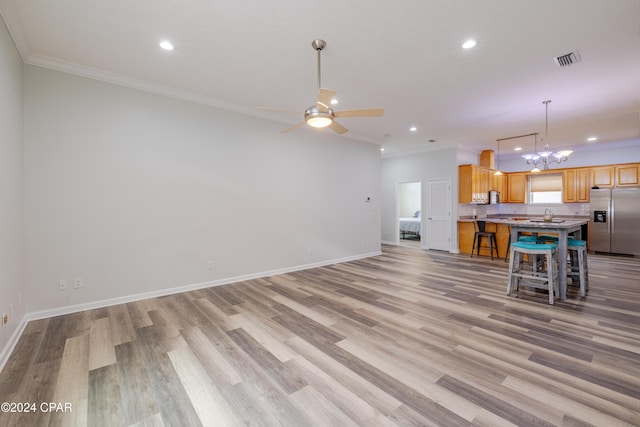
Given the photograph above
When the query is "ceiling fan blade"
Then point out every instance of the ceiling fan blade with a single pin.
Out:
(369, 112)
(325, 97)
(297, 125)
(338, 128)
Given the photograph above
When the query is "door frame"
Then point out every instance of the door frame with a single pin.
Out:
(397, 209)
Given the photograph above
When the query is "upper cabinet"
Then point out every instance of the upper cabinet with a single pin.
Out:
(500, 184)
(602, 176)
(473, 184)
(517, 188)
(576, 184)
(627, 175)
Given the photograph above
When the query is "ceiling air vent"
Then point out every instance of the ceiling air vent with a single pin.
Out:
(567, 59)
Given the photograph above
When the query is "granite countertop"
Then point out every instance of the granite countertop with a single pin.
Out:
(501, 217)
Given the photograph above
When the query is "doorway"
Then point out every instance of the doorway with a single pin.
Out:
(409, 214)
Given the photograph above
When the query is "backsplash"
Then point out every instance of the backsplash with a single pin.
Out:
(565, 209)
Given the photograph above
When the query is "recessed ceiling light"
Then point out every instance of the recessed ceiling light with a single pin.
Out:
(517, 149)
(592, 138)
(469, 44)
(413, 128)
(334, 101)
(166, 45)
(381, 149)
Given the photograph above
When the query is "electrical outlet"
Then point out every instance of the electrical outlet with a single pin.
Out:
(210, 265)
(62, 285)
(77, 283)
(5, 319)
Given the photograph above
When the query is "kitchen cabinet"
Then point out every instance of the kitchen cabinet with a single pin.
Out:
(466, 230)
(576, 184)
(627, 175)
(473, 184)
(569, 181)
(517, 188)
(499, 183)
(583, 185)
(602, 176)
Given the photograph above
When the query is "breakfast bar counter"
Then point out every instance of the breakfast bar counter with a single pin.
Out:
(515, 226)
(560, 227)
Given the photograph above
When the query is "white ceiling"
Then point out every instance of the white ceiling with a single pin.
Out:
(403, 56)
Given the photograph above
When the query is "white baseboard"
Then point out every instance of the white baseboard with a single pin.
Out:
(13, 341)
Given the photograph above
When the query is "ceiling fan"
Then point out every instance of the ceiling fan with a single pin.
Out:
(321, 114)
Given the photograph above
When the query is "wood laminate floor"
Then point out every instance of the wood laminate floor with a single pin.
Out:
(407, 338)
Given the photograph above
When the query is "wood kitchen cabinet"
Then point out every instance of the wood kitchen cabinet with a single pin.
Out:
(466, 230)
(517, 188)
(602, 176)
(499, 183)
(627, 175)
(583, 185)
(576, 185)
(473, 184)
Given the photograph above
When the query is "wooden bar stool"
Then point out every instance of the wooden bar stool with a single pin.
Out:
(535, 278)
(481, 231)
(578, 267)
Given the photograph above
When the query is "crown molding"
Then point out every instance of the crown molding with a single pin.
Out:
(158, 89)
(12, 20)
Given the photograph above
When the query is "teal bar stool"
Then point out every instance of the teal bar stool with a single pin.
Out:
(578, 266)
(521, 275)
(577, 263)
(527, 239)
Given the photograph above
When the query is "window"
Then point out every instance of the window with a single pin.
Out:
(545, 188)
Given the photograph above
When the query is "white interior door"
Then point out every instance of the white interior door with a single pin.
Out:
(439, 214)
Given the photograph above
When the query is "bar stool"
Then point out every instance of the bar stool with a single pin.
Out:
(481, 231)
(577, 262)
(518, 275)
(578, 266)
(528, 239)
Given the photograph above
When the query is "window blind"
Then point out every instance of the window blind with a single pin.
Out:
(543, 183)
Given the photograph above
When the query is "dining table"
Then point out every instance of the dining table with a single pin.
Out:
(561, 227)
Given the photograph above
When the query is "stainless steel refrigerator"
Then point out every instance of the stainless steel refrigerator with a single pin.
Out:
(615, 220)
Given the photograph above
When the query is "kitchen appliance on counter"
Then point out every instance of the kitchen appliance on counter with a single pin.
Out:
(615, 220)
(494, 197)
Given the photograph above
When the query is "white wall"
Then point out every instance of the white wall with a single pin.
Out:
(439, 164)
(135, 193)
(409, 199)
(11, 190)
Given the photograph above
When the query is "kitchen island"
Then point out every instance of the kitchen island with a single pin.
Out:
(515, 226)
(560, 227)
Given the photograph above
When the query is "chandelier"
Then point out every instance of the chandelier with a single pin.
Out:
(546, 157)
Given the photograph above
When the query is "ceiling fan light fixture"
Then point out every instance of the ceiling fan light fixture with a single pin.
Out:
(321, 115)
(319, 122)
(318, 119)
